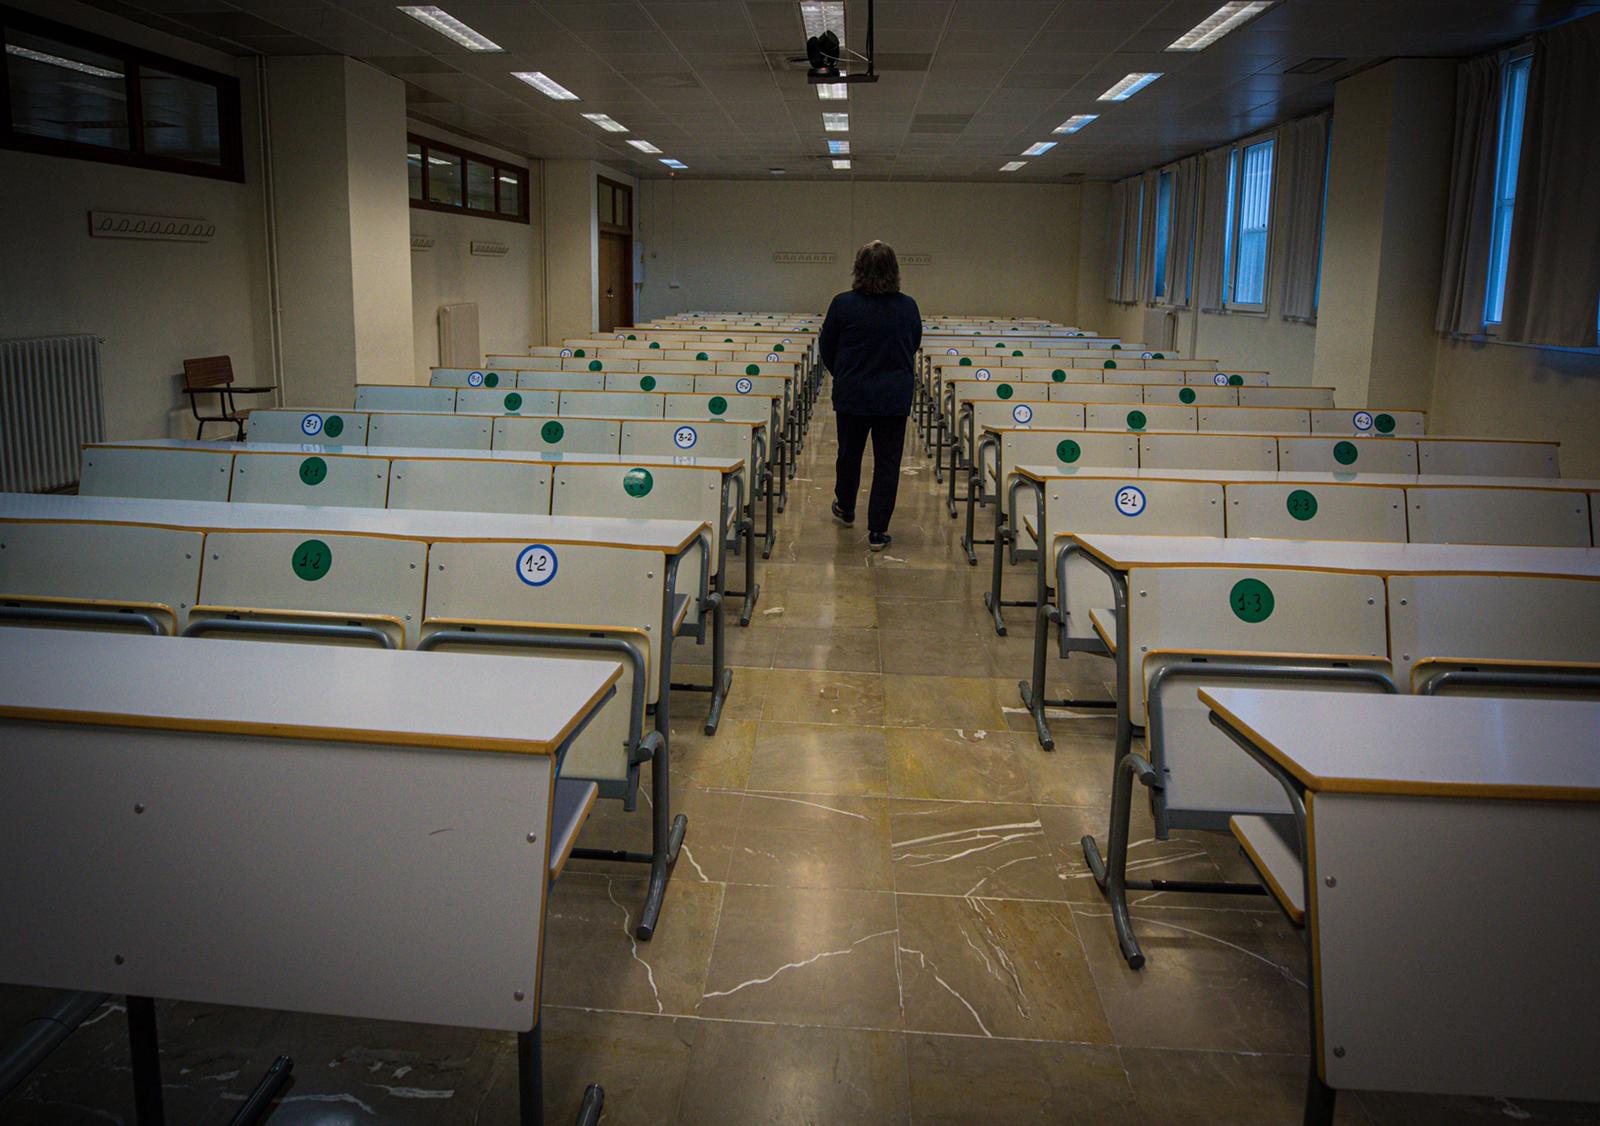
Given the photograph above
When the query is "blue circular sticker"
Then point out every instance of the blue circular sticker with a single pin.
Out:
(475, 379)
(1022, 414)
(566, 353)
(982, 375)
(536, 564)
(684, 437)
(772, 357)
(1130, 500)
(311, 425)
(1362, 420)
(952, 351)
(1220, 379)
(744, 385)
(1147, 355)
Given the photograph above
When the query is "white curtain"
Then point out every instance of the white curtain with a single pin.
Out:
(1470, 216)
(1144, 287)
(1553, 272)
(1209, 263)
(1116, 231)
(1128, 260)
(1181, 231)
(1302, 161)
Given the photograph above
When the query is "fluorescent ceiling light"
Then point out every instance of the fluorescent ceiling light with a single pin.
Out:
(833, 91)
(1012, 165)
(606, 122)
(836, 122)
(841, 164)
(450, 27)
(671, 163)
(644, 146)
(545, 85)
(508, 179)
(1039, 149)
(823, 15)
(57, 60)
(1128, 86)
(839, 148)
(1075, 122)
(1218, 24)
(439, 160)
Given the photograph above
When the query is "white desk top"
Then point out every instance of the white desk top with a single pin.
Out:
(723, 465)
(1539, 750)
(1246, 434)
(1044, 473)
(1126, 552)
(696, 419)
(667, 536)
(279, 690)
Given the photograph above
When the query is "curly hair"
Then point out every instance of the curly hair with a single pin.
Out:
(877, 270)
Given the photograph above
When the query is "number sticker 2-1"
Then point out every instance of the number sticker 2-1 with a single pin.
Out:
(536, 564)
(1130, 500)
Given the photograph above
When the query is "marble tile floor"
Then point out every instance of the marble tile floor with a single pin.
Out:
(880, 915)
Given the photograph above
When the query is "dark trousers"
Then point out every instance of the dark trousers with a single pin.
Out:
(888, 433)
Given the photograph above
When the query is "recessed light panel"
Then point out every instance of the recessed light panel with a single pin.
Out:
(839, 148)
(1039, 149)
(546, 85)
(841, 164)
(64, 64)
(836, 122)
(823, 15)
(644, 146)
(1218, 24)
(1128, 86)
(833, 91)
(606, 122)
(450, 27)
(673, 164)
(1075, 122)
(1012, 165)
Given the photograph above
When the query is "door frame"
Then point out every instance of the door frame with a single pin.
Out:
(623, 230)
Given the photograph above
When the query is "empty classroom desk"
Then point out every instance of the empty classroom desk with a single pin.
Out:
(406, 838)
(1441, 860)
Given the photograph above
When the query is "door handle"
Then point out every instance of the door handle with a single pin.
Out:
(610, 293)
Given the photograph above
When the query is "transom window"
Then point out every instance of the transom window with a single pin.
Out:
(443, 177)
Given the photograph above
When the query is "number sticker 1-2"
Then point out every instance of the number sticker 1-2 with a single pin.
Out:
(536, 564)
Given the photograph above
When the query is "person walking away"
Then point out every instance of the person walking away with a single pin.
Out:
(869, 342)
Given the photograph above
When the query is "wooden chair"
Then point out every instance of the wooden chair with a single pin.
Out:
(213, 375)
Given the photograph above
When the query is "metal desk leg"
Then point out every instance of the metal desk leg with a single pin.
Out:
(1033, 697)
(530, 1084)
(144, 1048)
(1005, 535)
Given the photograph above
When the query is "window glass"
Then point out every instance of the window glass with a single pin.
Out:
(1227, 227)
(605, 202)
(510, 191)
(179, 116)
(1255, 206)
(480, 186)
(414, 168)
(444, 178)
(1513, 104)
(66, 93)
(1163, 227)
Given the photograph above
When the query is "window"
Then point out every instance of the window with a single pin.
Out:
(613, 206)
(442, 177)
(1513, 104)
(1163, 228)
(1322, 227)
(1250, 205)
(67, 93)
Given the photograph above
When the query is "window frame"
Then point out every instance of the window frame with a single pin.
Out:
(1161, 233)
(612, 227)
(1516, 58)
(1236, 177)
(230, 126)
(427, 145)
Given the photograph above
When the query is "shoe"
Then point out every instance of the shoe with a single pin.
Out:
(847, 519)
(877, 541)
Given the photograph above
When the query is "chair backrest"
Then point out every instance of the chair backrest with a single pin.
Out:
(129, 471)
(1208, 451)
(206, 373)
(445, 485)
(1542, 517)
(1262, 510)
(103, 567)
(328, 479)
(329, 427)
(558, 435)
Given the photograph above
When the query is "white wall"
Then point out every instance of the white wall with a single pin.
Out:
(380, 223)
(1002, 249)
(507, 290)
(154, 303)
(571, 248)
(1520, 392)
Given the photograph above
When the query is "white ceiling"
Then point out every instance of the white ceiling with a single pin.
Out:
(965, 84)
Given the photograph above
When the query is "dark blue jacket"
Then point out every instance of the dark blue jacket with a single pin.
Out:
(869, 342)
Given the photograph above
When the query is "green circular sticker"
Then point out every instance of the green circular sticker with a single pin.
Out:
(491, 380)
(1158, 356)
(311, 560)
(1109, 364)
(647, 383)
(777, 347)
(727, 340)
(579, 352)
(718, 404)
(1302, 504)
(655, 344)
(1251, 600)
(966, 361)
(1116, 347)
(1059, 376)
(513, 402)
(595, 365)
(1345, 453)
(552, 432)
(333, 426)
(313, 471)
(701, 356)
(1136, 420)
(1235, 381)
(1068, 451)
(1003, 391)
(1186, 395)
(752, 369)
(1014, 353)
(637, 482)
(631, 336)
(1383, 423)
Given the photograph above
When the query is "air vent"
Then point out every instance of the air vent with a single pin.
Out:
(940, 122)
(1313, 66)
(784, 60)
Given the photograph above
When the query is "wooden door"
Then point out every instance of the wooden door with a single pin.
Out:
(616, 282)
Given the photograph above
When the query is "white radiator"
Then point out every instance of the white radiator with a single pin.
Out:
(458, 336)
(50, 404)
(1161, 329)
